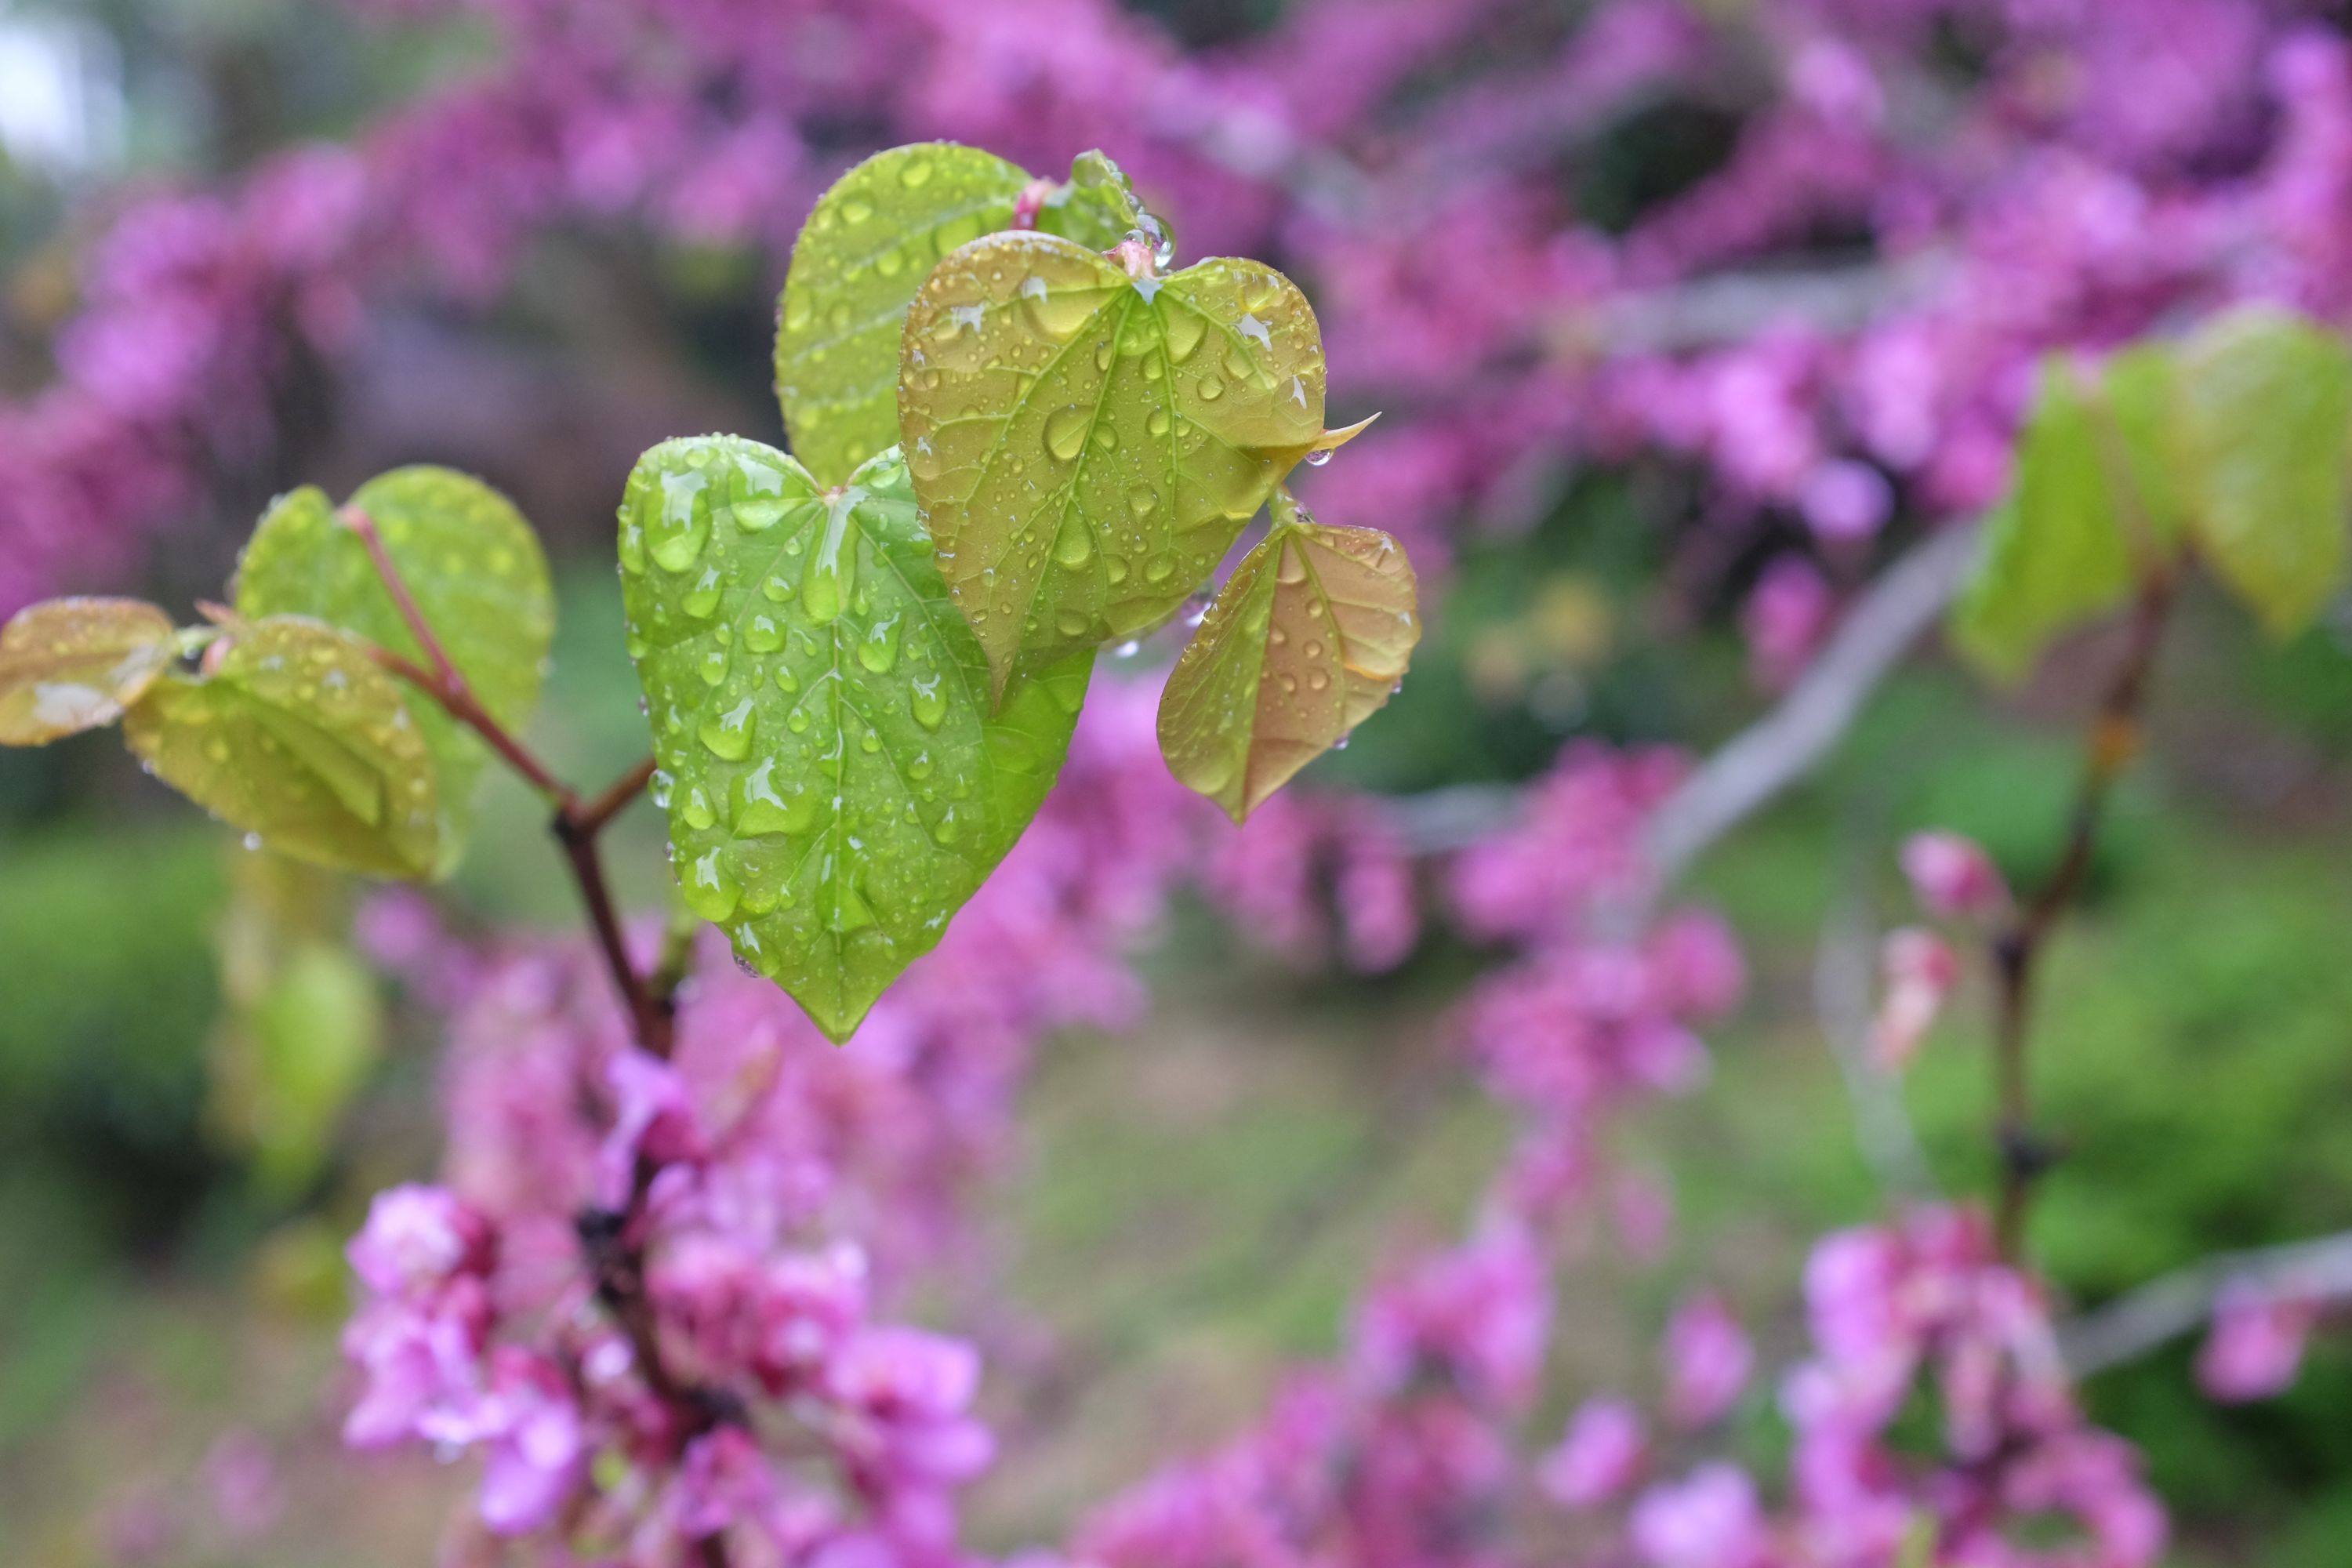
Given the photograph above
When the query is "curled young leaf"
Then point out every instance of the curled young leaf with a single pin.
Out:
(476, 572)
(867, 245)
(297, 738)
(1087, 445)
(2266, 417)
(836, 782)
(1309, 637)
(71, 664)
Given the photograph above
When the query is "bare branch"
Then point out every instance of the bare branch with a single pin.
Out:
(1790, 741)
(2129, 1326)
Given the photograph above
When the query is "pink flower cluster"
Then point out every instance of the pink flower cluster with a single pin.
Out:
(637, 1297)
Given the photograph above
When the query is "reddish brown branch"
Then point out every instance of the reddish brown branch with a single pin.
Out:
(2115, 740)
(612, 1241)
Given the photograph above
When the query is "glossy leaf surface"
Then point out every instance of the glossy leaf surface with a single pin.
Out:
(2266, 417)
(2061, 548)
(71, 664)
(477, 572)
(866, 247)
(1087, 445)
(299, 738)
(836, 782)
(1309, 637)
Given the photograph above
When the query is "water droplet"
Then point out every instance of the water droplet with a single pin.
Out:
(1196, 609)
(1210, 389)
(728, 734)
(1073, 546)
(928, 700)
(1126, 649)
(253, 841)
(1318, 458)
(856, 210)
(710, 889)
(916, 174)
(878, 650)
(761, 809)
(763, 634)
(1185, 328)
(713, 667)
(674, 537)
(831, 576)
(1141, 497)
(701, 601)
(1066, 432)
(657, 789)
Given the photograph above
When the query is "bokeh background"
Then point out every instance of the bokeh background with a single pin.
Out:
(1685, 319)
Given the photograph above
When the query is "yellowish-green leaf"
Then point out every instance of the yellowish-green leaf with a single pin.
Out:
(479, 577)
(2265, 417)
(2062, 548)
(1085, 445)
(71, 664)
(301, 1019)
(1308, 636)
(867, 245)
(299, 739)
(836, 782)
(1096, 206)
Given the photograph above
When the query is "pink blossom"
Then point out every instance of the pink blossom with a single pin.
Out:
(1601, 1455)
(1709, 1520)
(1919, 971)
(1952, 875)
(2257, 1347)
(1707, 1359)
(417, 1240)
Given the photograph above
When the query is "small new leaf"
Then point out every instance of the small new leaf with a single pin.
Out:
(1085, 445)
(867, 245)
(837, 784)
(2265, 414)
(71, 664)
(1307, 638)
(2084, 514)
(474, 569)
(299, 738)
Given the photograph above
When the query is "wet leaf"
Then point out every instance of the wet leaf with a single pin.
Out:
(2065, 547)
(2265, 415)
(837, 784)
(866, 247)
(477, 572)
(1085, 445)
(1308, 636)
(71, 664)
(1095, 206)
(299, 738)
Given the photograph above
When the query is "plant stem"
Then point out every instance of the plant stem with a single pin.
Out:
(615, 1250)
(2115, 740)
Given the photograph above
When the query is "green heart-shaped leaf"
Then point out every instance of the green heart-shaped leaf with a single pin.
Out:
(837, 784)
(1087, 445)
(868, 245)
(2265, 411)
(479, 577)
(1306, 640)
(296, 736)
(71, 664)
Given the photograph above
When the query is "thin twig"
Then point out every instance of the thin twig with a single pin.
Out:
(592, 817)
(612, 1241)
(2316, 1270)
(1751, 770)
(1790, 741)
(2017, 949)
